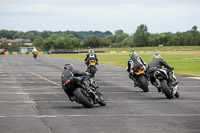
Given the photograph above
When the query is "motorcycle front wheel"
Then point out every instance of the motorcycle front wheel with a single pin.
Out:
(168, 93)
(101, 101)
(83, 98)
(35, 56)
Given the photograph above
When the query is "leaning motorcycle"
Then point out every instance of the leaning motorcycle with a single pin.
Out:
(91, 68)
(35, 55)
(163, 81)
(141, 78)
(85, 91)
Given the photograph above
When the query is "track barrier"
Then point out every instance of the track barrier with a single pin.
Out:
(24, 53)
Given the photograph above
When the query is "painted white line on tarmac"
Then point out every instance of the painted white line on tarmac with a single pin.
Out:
(149, 101)
(15, 87)
(194, 78)
(19, 78)
(114, 81)
(47, 88)
(24, 93)
(30, 82)
(103, 115)
(17, 102)
(103, 92)
(101, 86)
(10, 82)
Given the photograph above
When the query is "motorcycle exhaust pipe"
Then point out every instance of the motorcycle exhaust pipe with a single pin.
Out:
(157, 72)
(89, 90)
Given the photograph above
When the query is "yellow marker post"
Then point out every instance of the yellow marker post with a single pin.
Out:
(112, 52)
(6, 53)
(14, 53)
(40, 52)
(124, 51)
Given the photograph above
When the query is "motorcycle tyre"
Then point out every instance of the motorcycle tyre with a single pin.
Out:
(85, 101)
(165, 89)
(102, 102)
(144, 83)
(35, 56)
(177, 95)
(92, 70)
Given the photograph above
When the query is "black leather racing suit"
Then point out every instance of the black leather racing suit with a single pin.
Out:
(158, 63)
(67, 75)
(90, 56)
(134, 62)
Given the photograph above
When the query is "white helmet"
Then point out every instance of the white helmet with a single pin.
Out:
(91, 51)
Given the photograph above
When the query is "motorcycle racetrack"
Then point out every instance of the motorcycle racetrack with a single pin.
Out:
(32, 101)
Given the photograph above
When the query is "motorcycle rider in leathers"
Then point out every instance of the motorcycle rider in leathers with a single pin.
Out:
(90, 56)
(132, 63)
(66, 78)
(157, 63)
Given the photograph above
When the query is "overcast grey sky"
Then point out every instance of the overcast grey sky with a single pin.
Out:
(102, 15)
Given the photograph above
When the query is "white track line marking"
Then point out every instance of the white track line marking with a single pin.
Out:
(10, 82)
(136, 87)
(149, 101)
(104, 92)
(104, 115)
(194, 78)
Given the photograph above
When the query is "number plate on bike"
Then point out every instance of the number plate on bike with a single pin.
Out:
(138, 73)
(92, 63)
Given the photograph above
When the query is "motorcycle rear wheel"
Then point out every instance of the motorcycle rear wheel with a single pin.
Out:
(168, 93)
(144, 83)
(92, 70)
(83, 98)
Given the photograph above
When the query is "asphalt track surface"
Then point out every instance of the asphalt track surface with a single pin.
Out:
(32, 101)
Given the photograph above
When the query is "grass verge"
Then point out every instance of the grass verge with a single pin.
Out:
(186, 63)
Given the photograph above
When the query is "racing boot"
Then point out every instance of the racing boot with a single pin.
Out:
(159, 89)
(172, 78)
(156, 85)
(173, 81)
(72, 98)
(134, 80)
(177, 95)
(86, 69)
(135, 84)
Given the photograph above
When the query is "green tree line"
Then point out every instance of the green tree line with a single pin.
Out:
(69, 40)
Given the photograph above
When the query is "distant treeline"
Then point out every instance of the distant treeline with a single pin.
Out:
(69, 40)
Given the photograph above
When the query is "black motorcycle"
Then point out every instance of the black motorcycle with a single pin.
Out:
(164, 83)
(85, 91)
(91, 67)
(141, 78)
(35, 55)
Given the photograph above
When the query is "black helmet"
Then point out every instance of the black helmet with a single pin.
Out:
(69, 66)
